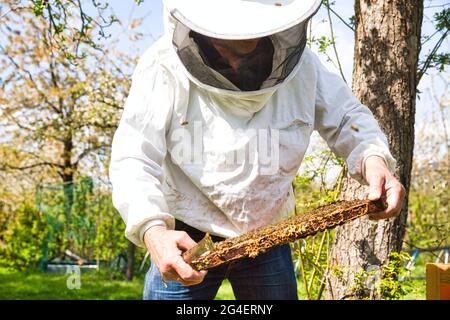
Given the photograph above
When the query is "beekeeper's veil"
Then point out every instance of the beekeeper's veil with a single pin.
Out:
(281, 25)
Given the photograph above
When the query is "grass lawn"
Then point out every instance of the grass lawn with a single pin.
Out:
(36, 285)
(97, 285)
(94, 285)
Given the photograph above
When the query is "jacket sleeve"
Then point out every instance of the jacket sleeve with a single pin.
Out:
(348, 126)
(138, 149)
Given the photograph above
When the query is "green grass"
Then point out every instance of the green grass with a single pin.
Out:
(98, 285)
(416, 288)
(36, 285)
(94, 285)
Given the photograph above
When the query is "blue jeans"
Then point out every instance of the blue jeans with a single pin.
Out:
(268, 276)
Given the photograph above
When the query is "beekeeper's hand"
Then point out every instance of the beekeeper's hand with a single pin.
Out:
(383, 183)
(165, 247)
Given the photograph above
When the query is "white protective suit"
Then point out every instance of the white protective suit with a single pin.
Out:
(180, 109)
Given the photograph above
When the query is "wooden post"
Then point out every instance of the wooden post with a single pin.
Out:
(438, 281)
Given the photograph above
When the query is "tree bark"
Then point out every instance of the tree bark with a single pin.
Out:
(67, 175)
(130, 261)
(387, 46)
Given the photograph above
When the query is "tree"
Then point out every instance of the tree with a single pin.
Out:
(131, 253)
(57, 116)
(61, 95)
(385, 78)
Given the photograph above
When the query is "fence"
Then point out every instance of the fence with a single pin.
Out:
(81, 222)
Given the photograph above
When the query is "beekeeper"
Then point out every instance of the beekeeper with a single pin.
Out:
(215, 127)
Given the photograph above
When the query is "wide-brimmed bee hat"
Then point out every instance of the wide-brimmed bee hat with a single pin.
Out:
(241, 19)
(281, 23)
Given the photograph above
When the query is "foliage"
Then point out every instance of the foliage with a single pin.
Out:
(319, 180)
(388, 281)
(390, 287)
(428, 224)
(434, 58)
(92, 229)
(23, 239)
(314, 187)
(323, 43)
(57, 119)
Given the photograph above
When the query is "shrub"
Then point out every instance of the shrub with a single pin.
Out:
(24, 238)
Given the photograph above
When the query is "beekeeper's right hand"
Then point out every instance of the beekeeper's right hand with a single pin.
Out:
(165, 247)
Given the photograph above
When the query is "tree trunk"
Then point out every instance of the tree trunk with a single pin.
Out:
(387, 45)
(68, 176)
(130, 261)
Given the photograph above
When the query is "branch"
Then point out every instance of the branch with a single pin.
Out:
(333, 42)
(6, 167)
(339, 17)
(87, 151)
(31, 78)
(430, 57)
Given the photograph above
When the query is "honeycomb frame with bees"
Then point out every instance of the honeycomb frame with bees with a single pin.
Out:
(254, 243)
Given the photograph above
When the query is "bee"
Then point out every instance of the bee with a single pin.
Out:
(355, 127)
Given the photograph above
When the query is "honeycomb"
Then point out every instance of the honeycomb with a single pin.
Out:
(253, 243)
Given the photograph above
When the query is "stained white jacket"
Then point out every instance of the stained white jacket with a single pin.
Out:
(166, 106)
